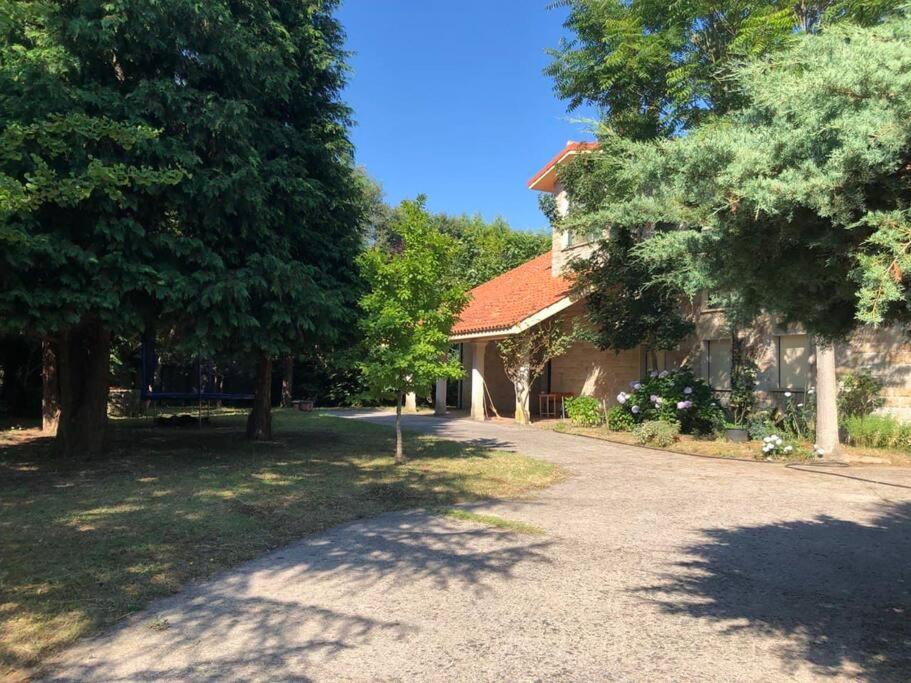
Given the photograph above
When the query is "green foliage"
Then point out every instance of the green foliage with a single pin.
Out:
(795, 204)
(859, 394)
(654, 68)
(489, 249)
(484, 249)
(744, 373)
(878, 431)
(674, 396)
(619, 419)
(584, 411)
(773, 446)
(660, 433)
(153, 166)
(623, 308)
(797, 417)
(411, 306)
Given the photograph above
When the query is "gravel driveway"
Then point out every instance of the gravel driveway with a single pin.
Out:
(653, 566)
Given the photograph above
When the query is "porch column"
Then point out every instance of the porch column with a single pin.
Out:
(411, 402)
(523, 389)
(477, 381)
(439, 403)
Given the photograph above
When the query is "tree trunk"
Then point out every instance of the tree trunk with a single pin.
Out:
(826, 401)
(259, 423)
(522, 386)
(411, 402)
(399, 450)
(287, 380)
(50, 388)
(83, 366)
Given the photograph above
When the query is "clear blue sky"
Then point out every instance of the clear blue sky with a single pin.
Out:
(450, 100)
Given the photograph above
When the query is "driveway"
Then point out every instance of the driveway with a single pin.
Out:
(652, 566)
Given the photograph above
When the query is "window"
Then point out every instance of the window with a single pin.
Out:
(663, 358)
(572, 239)
(793, 361)
(718, 363)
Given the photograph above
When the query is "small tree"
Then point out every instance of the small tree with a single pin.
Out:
(525, 355)
(411, 306)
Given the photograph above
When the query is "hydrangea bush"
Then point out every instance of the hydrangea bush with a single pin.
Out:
(674, 396)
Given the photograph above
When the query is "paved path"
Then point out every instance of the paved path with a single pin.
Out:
(653, 566)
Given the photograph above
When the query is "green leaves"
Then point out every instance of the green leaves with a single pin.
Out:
(177, 160)
(798, 203)
(412, 302)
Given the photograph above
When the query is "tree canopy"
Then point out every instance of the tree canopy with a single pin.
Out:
(182, 164)
(655, 68)
(412, 302)
(799, 202)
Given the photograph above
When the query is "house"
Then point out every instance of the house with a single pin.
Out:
(539, 290)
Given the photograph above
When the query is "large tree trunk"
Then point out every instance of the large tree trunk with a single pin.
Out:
(287, 380)
(259, 423)
(399, 448)
(50, 388)
(826, 401)
(411, 402)
(83, 365)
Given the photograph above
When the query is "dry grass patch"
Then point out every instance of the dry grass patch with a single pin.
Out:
(87, 543)
(721, 448)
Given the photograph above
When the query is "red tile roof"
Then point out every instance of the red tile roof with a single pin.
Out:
(512, 297)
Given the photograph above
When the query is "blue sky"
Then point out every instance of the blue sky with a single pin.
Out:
(450, 100)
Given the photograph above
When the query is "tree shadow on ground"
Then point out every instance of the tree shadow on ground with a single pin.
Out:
(285, 615)
(83, 543)
(838, 590)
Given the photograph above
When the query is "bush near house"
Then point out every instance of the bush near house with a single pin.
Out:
(619, 419)
(674, 396)
(659, 433)
(858, 394)
(878, 431)
(584, 411)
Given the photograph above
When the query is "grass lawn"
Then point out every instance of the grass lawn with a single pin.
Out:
(85, 544)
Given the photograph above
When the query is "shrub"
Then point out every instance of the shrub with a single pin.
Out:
(858, 394)
(657, 433)
(797, 418)
(619, 419)
(878, 431)
(584, 411)
(773, 446)
(674, 396)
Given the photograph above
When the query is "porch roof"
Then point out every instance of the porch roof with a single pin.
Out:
(522, 296)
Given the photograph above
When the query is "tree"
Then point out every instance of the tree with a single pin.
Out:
(489, 249)
(799, 202)
(655, 68)
(526, 354)
(82, 225)
(182, 161)
(412, 303)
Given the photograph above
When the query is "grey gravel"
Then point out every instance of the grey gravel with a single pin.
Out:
(654, 566)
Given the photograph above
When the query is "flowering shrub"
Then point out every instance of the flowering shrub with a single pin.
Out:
(858, 394)
(773, 445)
(584, 411)
(657, 433)
(798, 417)
(674, 396)
(619, 419)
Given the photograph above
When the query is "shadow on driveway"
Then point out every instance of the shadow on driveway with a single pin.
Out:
(262, 618)
(839, 591)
